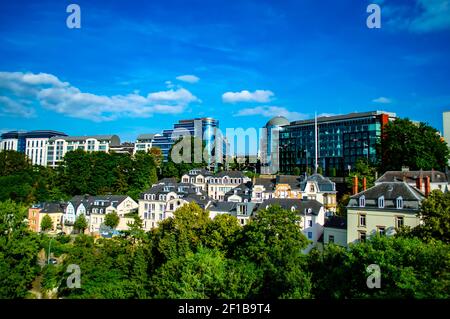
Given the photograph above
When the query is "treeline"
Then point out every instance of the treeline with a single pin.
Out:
(192, 256)
(95, 173)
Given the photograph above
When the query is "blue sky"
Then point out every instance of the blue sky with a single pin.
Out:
(139, 66)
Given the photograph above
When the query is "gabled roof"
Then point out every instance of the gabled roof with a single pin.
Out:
(198, 171)
(101, 201)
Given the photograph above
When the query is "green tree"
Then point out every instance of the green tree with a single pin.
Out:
(297, 171)
(18, 251)
(417, 146)
(205, 274)
(46, 223)
(81, 223)
(274, 241)
(12, 162)
(221, 232)
(183, 233)
(435, 214)
(112, 220)
(362, 169)
(409, 268)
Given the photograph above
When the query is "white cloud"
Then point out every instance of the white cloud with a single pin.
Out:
(61, 97)
(382, 100)
(271, 111)
(9, 107)
(260, 96)
(188, 78)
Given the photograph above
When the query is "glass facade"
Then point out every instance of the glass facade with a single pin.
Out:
(208, 129)
(342, 140)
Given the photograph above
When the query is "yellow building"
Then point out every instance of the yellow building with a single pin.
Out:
(382, 209)
(37, 212)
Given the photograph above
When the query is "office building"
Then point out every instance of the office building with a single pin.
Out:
(341, 141)
(205, 128)
(32, 143)
(58, 146)
(144, 142)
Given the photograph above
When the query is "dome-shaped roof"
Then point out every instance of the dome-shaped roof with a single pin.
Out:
(278, 121)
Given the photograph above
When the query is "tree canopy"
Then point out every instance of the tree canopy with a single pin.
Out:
(417, 146)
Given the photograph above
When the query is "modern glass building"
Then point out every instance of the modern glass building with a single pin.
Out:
(342, 140)
(199, 127)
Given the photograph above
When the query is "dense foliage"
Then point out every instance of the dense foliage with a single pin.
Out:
(193, 256)
(417, 146)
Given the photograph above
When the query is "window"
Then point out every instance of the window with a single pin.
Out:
(311, 189)
(310, 235)
(399, 221)
(399, 203)
(362, 236)
(310, 223)
(362, 201)
(381, 230)
(362, 220)
(331, 238)
(381, 202)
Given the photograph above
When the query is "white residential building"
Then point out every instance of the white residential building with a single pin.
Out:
(223, 182)
(164, 198)
(144, 142)
(59, 146)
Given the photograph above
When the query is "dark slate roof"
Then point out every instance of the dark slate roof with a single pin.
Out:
(231, 208)
(90, 201)
(52, 207)
(336, 222)
(300, 206)
(268, 183)
(167, 180)
(232, 174)
(293, 181)
(222, 206)
(391, 191)
(324, 183)
(240, 191)
(411, 176)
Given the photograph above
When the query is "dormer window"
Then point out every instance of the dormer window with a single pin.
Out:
(381, 202)
(362, 201)
(399, 203)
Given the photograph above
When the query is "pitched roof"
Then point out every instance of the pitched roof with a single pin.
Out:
(391, 191)
(243, 190)
(324, 183)
(268, 183)
(302, 206)
(411, 176)
(232, 174)
(52, 207)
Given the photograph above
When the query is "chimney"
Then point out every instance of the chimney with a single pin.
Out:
(364, 183)
(355, 184)
(419, 183)
(427, 186)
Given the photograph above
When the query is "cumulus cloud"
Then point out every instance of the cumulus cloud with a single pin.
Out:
(61, 97)
(260, 96)
(271, 111)
(382, 100)
(189, 78)
(9, 107)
